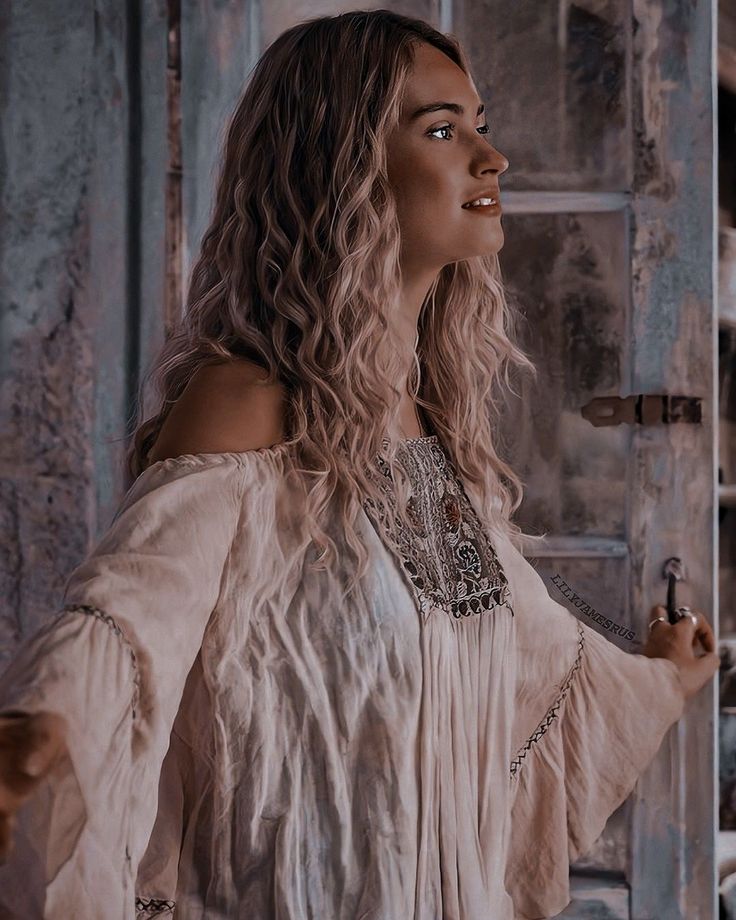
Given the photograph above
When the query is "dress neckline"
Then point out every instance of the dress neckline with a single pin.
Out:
(271, 453)
(419, 440)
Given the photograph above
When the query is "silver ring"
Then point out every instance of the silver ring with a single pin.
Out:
(685, 611)
(656, 620)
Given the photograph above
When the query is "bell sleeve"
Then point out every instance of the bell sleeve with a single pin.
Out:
(589, 718)
(113, 662)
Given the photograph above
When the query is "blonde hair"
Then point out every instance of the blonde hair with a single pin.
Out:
(299, 269)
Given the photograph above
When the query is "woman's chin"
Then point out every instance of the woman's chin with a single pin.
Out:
(489, 249)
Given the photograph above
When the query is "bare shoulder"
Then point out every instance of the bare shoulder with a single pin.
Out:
(224, 407)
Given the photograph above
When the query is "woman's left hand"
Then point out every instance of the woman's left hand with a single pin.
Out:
(679, 642)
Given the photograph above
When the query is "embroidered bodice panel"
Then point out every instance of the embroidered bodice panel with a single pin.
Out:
(446, 555)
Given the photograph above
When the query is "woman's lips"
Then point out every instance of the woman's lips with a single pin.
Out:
(494, 208)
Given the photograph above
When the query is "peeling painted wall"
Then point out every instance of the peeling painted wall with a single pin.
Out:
(47, 358)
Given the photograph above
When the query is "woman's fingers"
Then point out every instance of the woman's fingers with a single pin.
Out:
(702, 631)
(28, 749)
(47, 742)
(7, 827)
(676, 641)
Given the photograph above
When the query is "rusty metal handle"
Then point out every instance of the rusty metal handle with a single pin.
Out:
(673, 571)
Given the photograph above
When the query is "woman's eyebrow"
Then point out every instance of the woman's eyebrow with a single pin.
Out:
(438, 106)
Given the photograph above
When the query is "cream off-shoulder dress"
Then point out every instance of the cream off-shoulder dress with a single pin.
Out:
(247, 744)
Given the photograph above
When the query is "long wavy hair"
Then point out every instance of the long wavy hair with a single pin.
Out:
(299, 271)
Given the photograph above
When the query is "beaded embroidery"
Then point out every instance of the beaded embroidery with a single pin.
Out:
(447, 556)
(553, 710)
(149, 907)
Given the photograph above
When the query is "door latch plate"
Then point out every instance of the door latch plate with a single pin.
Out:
(642, 409)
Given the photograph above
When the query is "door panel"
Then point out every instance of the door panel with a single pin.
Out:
(554, 76)
(605, 112)
(574, 295)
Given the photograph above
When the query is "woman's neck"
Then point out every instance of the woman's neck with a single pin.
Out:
(410, 421)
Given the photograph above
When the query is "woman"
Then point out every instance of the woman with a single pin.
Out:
(307, 671)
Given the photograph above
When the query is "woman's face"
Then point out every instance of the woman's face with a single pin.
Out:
(438, 161)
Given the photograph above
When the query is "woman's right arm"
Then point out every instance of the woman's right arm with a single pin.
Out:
(30, 745)
(96, 690)
(113, 664)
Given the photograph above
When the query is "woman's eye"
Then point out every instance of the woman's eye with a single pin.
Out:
(483, 129)
(442, 128)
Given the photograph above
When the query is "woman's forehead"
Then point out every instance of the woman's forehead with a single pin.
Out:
(436, 78)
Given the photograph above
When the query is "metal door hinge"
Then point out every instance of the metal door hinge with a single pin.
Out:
(642, 409)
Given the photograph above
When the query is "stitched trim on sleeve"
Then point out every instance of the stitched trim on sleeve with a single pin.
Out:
(109, 621)
(553, 710)
(152, 907)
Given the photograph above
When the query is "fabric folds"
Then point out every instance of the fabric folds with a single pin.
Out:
(245, 742)
(114, 663)
(590, 718)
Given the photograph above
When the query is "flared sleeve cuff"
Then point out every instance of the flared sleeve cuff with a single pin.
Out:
(113, 662)
(72, 841)
(588, 719)
(606, 721)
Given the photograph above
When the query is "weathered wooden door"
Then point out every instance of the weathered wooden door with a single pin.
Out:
(604, 109)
